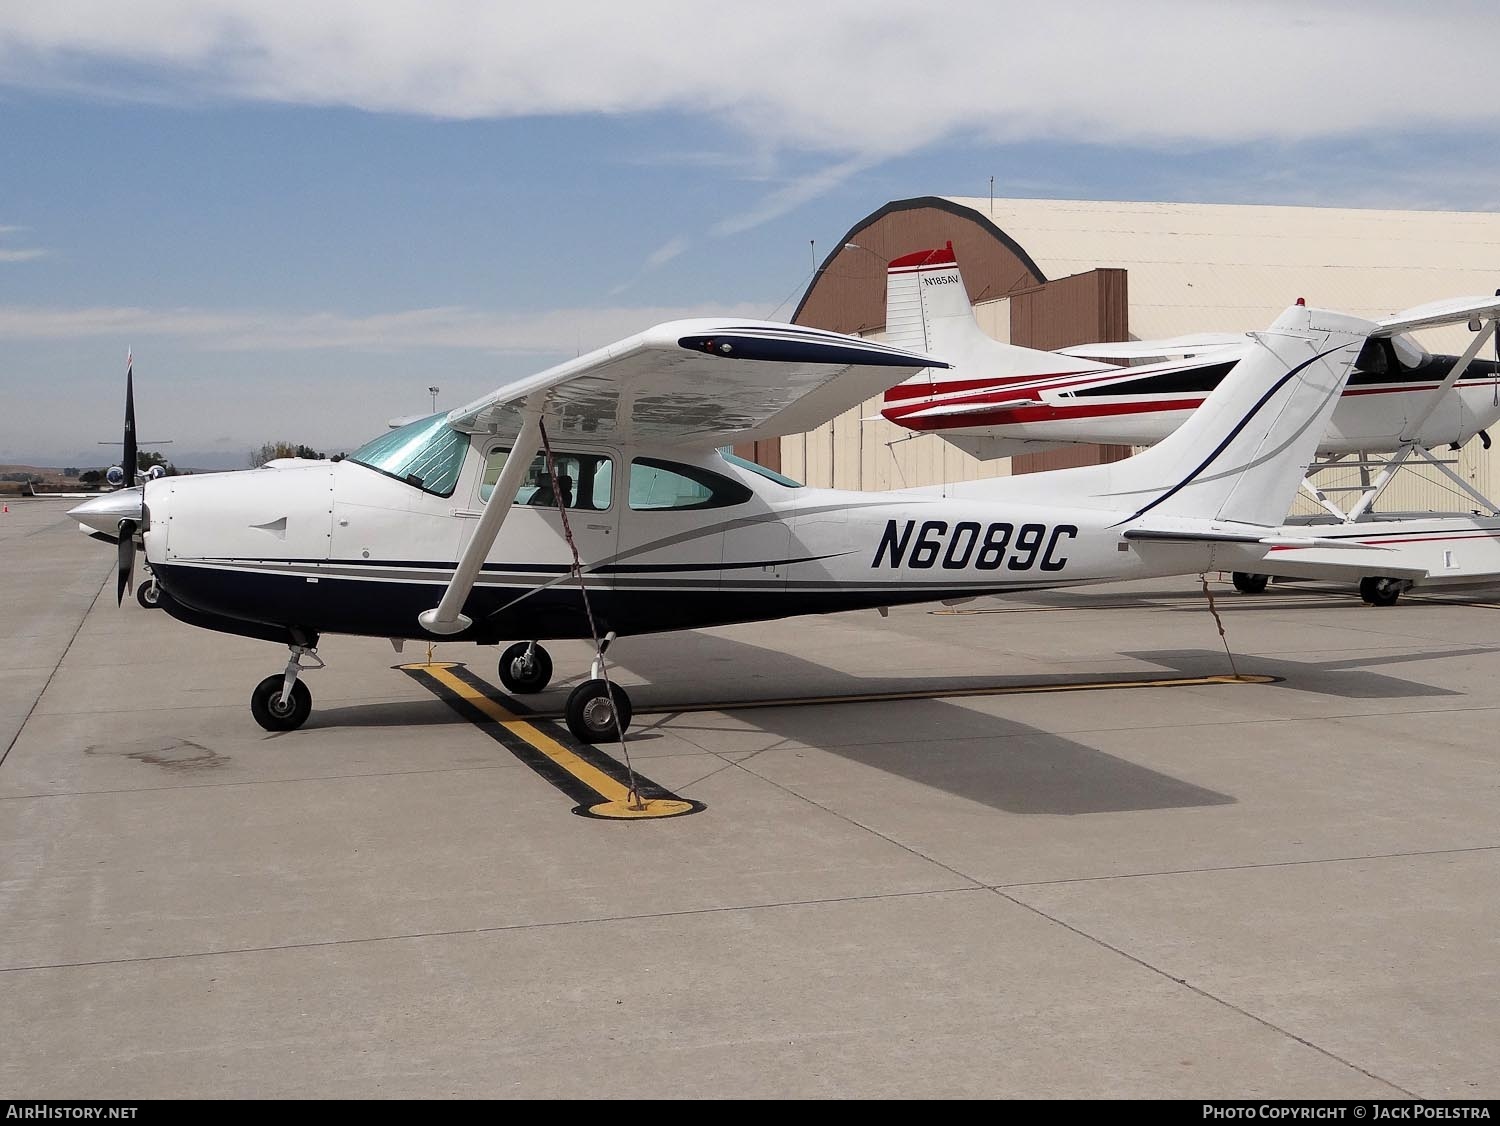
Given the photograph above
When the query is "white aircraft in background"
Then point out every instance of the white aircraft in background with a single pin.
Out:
(998, 400)
(419, 535)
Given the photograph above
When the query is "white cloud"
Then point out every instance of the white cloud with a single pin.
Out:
(665, 253)
(845, 77)
(18, 254)
(793, 196)
(550, 332)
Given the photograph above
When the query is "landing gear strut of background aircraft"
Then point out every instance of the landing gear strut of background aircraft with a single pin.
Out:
(1382, 592)
(1247, 583)
(283, 703)
(525, 667)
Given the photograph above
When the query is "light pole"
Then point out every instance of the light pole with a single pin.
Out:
(433, 392)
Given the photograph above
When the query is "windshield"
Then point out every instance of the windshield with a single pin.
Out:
(427, 453)
(769, 474)
(1409, 353)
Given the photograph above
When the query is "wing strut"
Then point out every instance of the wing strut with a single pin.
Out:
(446, 617)
(1414, 427)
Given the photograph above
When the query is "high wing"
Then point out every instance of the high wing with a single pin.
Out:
(701, 383)
(689, 383)
(1479, 312)
(1450, 310)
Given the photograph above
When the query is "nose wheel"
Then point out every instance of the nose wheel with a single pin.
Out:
(148, 594)
(283, 703)
(276, 713)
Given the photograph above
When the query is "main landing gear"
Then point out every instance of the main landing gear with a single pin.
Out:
(596, 711)
(283, 703)
(1382, 592)
(1247, 583)
(525, 667)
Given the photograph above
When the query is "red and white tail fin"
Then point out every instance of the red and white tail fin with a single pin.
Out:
(927, 310)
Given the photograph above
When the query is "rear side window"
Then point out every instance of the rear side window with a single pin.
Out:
(658, 485)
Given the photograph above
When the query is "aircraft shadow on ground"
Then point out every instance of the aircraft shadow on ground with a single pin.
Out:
(997, 762)
(1347, 678)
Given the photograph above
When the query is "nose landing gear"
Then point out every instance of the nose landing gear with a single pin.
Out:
(283, 703)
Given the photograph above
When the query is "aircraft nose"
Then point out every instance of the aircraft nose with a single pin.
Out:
(103, 514)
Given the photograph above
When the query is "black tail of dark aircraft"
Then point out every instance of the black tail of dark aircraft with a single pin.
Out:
(127, 461)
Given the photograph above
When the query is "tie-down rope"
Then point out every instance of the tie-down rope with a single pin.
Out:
(1214, 610)
(633, 798)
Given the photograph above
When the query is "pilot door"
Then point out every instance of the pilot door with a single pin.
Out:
(532, 544)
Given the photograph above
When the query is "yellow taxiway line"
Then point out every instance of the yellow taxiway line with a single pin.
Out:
(618, 801)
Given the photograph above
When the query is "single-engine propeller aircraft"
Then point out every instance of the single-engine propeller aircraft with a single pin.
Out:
(1401, 402)
(997, 399)
(435, 530)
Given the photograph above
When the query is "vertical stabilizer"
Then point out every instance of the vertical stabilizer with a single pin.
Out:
(1242, 455)
(128, 459)
(927, 310)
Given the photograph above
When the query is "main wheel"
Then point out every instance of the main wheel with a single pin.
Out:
(590, 714)
(1380, 592)
(271, 713)
(1247, 583)
(148, 594)
(521, 675)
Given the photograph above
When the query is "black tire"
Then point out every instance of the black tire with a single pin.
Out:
(1380, 592)
(589, 715)
(266, 707)
(1247, 583)
(515, 673)
(148, 594)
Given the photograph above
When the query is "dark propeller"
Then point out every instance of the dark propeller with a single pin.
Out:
(126, 557)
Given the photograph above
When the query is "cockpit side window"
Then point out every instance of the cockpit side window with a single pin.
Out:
(1373, 358)
(584, 480)
(657, 484)
(426, 454)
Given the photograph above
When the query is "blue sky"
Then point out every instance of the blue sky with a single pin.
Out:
(299, 217)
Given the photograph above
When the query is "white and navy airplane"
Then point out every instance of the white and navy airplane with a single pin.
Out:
(998, 400)
(462, 526)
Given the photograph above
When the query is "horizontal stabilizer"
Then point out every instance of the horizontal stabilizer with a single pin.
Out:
(1151, 349)
(1166, 535)
(946, 410)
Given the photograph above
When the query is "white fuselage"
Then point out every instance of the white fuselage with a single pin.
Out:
(1121, 406)
(339, 547)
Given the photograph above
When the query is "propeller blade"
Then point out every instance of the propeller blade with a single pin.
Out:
(126, 562)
